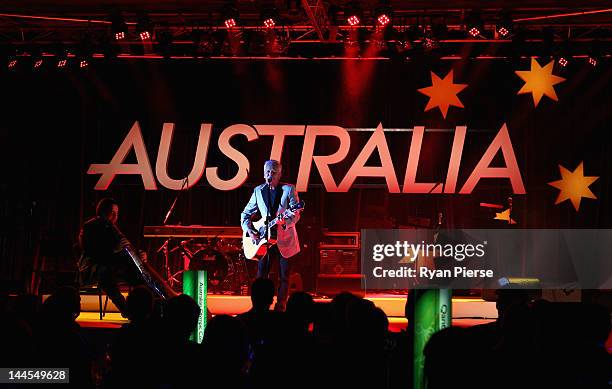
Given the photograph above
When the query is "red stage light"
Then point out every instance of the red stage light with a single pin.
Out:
(353, 20)
(592, 61)
(38, 63)
(563, 61)
(145, 35)
(383, 20)
(229, 23)
(474, 31)
(12, 64)
(269, 23)
(119, 35)
(61, 63)
(503, 31)
(430, 43)
(83, 63)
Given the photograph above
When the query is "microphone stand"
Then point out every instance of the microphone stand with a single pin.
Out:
(169, 277)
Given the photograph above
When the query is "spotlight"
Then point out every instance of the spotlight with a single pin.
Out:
(84, 51)
(383, 14)
(504, 25)
(230, 16)
(144, 28)
(353, 20)
(37, 58)
(563, 52)
(430, 42)
(12, 63)
(353, 14)
(61, 56)
(269, 16)
(431, 38)
(594, 54)
(474, 25)
(118, 26)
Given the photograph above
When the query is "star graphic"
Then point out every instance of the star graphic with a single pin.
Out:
(505, 215)
(443, 93)
(574, 186)
(539, 81)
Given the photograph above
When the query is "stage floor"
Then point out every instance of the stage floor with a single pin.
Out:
(466, 311)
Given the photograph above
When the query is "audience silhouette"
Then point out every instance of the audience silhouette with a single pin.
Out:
(343, 343)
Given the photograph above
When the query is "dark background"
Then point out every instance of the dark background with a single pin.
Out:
(56, 123)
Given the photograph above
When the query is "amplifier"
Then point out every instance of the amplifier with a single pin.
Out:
(340, 240)
(338, 261)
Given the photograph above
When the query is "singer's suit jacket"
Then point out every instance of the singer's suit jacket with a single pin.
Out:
(287, 239)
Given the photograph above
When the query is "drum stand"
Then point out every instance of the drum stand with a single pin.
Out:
(184, 253)
(170, 279)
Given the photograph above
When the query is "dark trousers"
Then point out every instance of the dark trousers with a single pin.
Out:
(107, 277)
(263, 270)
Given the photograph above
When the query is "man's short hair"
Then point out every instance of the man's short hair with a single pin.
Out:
(105, 206)
(274, 163)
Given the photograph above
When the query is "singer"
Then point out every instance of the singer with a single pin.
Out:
(271, 199)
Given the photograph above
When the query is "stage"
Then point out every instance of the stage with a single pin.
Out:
(466, 311)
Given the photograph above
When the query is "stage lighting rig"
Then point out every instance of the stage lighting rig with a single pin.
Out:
(269, 17)
(504, 26)
(353, 13)
(118, 26)
(37, 59)
(594, 54)
(474, 25)
(229, 15)
(383, 15)
(144, 28)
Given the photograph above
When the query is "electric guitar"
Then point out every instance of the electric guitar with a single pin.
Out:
(257, 248)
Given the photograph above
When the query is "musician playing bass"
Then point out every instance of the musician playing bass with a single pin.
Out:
(105, 254)
(271, 199)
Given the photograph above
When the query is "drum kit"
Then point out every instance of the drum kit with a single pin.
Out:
(229, 272)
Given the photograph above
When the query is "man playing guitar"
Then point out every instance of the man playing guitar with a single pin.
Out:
(271, 199)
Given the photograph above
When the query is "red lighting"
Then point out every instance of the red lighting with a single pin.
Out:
(38, 63)
(145, 35)
(430, 43)
(474, 31)
(83, 63)
(563, 61)
(353, 20)
(119, 35)
(61, 63)
(12, 64)
(503, 31)
(269, 23)
(592, 61)
(229, 23)
(383, 20)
